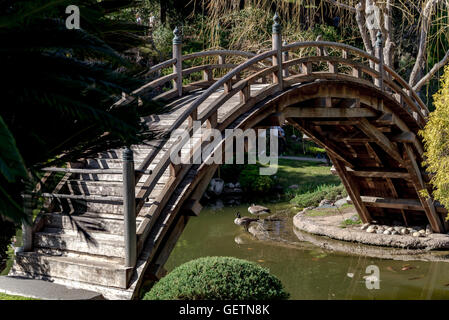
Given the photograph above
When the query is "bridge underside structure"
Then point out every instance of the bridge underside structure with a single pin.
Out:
(363, 113)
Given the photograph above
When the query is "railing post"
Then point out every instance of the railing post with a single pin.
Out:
(285, 72)
(379, 66)
(27, 228)
(277, 45)
(177, 54)
(129, 208)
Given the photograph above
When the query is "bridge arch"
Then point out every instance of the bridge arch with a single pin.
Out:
(363, 113)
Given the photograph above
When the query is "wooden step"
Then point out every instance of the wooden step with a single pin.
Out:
(94, 205)
(79, 255)
(112, 246)
(93, 272)
(113, 225)
(79, 187)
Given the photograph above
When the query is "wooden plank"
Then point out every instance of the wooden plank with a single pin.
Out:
(91, 171)
(376, 173)
(352, 189)
(380, 174)
(335, 122)
(192, 207)
(372, 153)
(405, 137)
(387, 119)
(373, 132)
(295, 112)
(391, 203)
(418, 183)
(169, 241)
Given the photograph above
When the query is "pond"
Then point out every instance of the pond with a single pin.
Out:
(307, 271)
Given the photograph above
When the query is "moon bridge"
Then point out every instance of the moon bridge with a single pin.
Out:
(135, 203)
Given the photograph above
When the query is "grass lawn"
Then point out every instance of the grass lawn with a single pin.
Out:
(314, 182)
(306, 174)
(330, 211)
(4, 296)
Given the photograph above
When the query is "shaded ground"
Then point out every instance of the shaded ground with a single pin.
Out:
(307, 175)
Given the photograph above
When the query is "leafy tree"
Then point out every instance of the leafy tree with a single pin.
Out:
(436, 141)
(61, 86)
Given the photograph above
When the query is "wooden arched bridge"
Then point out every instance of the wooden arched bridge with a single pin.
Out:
(361, 111)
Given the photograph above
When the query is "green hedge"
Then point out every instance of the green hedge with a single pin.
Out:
(313, 198)
(251, 180)
(218, 278)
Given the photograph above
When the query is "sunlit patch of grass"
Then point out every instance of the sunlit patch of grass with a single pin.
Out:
(4, 296)
(330, 211)
(350, 222)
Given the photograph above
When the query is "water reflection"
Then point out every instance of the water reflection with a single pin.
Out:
(307, 270)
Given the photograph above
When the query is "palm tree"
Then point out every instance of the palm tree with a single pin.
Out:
(59, 89)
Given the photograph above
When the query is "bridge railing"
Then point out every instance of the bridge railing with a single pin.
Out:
(179, 73)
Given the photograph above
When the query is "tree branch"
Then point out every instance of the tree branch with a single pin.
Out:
(389, 32)
(360, 18)
(341, 5)
(430, 74)
(420, 58)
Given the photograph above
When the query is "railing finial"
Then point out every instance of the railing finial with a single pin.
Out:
(276, 23)
(378, 39)
(127, 154)
(177, 39)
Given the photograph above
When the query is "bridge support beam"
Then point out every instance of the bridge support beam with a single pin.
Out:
(129, 208)
(352, 189)
(418, 183)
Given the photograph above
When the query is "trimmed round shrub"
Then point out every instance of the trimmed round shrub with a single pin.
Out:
(218, 278)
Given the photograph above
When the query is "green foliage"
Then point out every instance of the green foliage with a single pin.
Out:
(4, 296)
(218, 278)
(162, 38)
(313, 198)
(355, 220)
(436, 142)
(12, 170)
(314, 151)
(7, 230)
(251, 180)
(60, 87)
(231, 172)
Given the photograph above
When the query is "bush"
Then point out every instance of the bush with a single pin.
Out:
(7, 231)
(231, 172)
(218, 278)
(251, 180)
(313, 198)
(314, 151)
(162, 38)
(435, 136)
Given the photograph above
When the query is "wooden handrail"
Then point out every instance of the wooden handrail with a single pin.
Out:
(209, 53)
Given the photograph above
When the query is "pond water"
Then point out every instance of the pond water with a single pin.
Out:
(307, 271)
